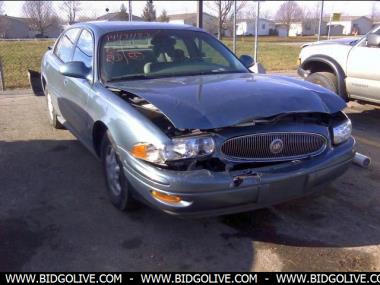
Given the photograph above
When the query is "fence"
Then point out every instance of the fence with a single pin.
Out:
(25, 40)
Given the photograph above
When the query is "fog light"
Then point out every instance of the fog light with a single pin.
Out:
(166, 198)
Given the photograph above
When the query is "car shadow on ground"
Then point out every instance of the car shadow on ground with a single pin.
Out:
(55, 216)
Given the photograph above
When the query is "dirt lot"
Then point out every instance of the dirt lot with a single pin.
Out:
(55, 216)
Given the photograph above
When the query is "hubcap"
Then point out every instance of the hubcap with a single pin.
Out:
(113, 171)
(50, 106)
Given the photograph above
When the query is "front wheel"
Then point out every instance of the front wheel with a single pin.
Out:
(324, 79)
(118, 187)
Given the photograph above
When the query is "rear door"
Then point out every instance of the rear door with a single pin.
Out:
(363, 72)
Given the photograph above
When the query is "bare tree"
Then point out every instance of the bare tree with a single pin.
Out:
(375, 13)
(40, 14)
(223, 9)
(1, 7)
(71, 8)
(311, 16)
(289, 12)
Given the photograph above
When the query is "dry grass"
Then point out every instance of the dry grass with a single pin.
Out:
(273, 56)
(19, 56)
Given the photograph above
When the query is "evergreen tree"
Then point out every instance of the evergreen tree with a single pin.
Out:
(163, 17)
(123, 9)
(149, 12)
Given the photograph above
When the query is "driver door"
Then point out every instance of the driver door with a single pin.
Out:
(363, 73)
(77, 90)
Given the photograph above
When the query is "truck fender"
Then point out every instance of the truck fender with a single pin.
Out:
(335, 67)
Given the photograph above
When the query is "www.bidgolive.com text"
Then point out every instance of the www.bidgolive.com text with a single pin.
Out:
(197, 278)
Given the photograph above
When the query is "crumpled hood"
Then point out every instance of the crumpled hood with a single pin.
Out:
(216, 101)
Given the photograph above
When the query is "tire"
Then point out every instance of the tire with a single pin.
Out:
(52, 115)
(324, 79)
(118, 187)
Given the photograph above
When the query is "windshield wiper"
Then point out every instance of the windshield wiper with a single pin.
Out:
(142, 76)
(120, 78)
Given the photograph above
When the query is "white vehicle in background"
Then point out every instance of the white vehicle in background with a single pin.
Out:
(350, 67)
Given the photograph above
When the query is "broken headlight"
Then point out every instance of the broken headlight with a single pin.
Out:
(342, 132)
(177, 149)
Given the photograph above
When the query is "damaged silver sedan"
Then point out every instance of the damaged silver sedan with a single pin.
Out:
(182, 125)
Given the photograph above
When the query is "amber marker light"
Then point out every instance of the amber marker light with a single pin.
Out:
(172, 199)
(140, 151)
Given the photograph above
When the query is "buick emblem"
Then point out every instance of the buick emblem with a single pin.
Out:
(276, 146)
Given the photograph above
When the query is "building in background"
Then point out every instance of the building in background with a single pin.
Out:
(282, 30)
(350, 25)
(247, 27)
(14, 27)
(307, 27)
(118, 16)
(21, 28)
(210, 23)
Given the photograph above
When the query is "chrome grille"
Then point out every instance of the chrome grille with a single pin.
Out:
(257, 147)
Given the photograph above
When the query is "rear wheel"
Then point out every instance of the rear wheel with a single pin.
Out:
(324, 79)
(118, 187)
(52, 115)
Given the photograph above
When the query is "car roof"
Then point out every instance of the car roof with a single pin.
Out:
(103, 27)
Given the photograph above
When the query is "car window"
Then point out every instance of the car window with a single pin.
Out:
(163, 53)
(84, 49)
(180, 45)
(65, 46)
(210, 54)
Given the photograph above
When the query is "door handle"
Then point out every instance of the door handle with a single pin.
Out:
(65, 81)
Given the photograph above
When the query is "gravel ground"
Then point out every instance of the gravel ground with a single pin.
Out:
(55, 216)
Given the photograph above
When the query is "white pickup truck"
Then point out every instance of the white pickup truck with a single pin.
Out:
(349, 67)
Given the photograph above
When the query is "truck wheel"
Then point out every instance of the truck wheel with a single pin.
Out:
(324, 79)
(118, 187)
(52, 115)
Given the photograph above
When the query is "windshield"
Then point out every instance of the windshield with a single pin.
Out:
(162, 53)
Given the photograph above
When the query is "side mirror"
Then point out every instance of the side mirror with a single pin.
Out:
(373, 40)
(247, 60)
(75, 69)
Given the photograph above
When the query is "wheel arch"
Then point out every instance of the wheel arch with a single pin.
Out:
(98, 131)
(318, 63)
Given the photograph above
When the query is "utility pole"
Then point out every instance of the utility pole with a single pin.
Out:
(257, 28)
(130, 10)
(200, 14)
(220, 20)
(328, 34)
(234, 30)
(320, 21)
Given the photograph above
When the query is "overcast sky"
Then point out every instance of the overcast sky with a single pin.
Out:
(91, 8)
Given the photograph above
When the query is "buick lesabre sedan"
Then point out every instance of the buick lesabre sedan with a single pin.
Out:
(183, 125)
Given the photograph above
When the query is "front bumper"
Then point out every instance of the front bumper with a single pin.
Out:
(208, 193)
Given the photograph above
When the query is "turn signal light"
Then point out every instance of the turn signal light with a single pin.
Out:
(140, 151)
(173, 199)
